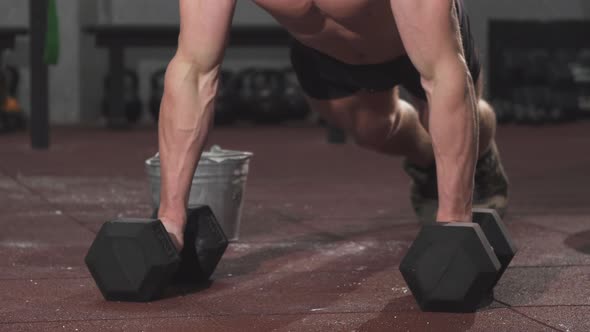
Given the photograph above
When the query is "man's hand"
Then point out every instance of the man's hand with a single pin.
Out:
(430, 32)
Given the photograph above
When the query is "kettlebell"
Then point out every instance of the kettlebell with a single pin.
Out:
(297, 105)
(133, 105)
(13, 80)
(261, 91)
(244, 91)
(11, 115)
(3, 88)
(226, 104)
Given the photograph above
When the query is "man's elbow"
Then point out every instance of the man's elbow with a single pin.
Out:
(186, 76)
(449, 75)
(189, 95)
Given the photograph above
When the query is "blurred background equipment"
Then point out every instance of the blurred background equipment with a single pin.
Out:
(3, 87)
(539, 71)
(261, 93)
(12, 80)
(12, 117)
(227, 106)
(156, 92)
(133, 105)
(294, 96)
(581, 74)
(119, 38)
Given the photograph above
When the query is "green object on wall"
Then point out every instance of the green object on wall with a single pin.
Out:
(52, 36)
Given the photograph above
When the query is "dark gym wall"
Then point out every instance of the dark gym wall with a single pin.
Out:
(482, 11)
(13, 12)
(76, 83)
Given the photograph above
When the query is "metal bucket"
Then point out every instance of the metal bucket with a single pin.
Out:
(219, 181)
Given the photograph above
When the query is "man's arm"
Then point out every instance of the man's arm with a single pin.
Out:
(187, 105)
(431, 36)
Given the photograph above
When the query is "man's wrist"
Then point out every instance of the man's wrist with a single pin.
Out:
(175, 213)
(454, 217)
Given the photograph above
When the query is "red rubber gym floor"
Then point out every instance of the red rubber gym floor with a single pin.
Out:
(324, 228)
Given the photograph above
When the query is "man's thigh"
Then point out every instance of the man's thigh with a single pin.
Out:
(354, 110)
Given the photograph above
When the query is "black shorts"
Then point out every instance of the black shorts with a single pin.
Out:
(324, 77)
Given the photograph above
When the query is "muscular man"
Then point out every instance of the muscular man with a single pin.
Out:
(350, 56)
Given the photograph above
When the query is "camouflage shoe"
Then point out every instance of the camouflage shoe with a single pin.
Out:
(423, 191)
(491, 182)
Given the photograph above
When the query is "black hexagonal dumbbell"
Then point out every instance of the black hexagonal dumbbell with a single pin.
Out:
(450, 267)
(453, 267)
(135, 259)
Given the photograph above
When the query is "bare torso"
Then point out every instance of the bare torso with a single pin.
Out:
(353, 31)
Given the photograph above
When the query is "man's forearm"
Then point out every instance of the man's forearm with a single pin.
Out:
(185, 118)
(454, 130)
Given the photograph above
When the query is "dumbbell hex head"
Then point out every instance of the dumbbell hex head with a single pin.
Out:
(497, 234)
(132, 259)
(204, 245)
(450, 267)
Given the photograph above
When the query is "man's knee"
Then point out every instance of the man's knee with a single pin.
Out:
(375, 130)
(371, 130)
